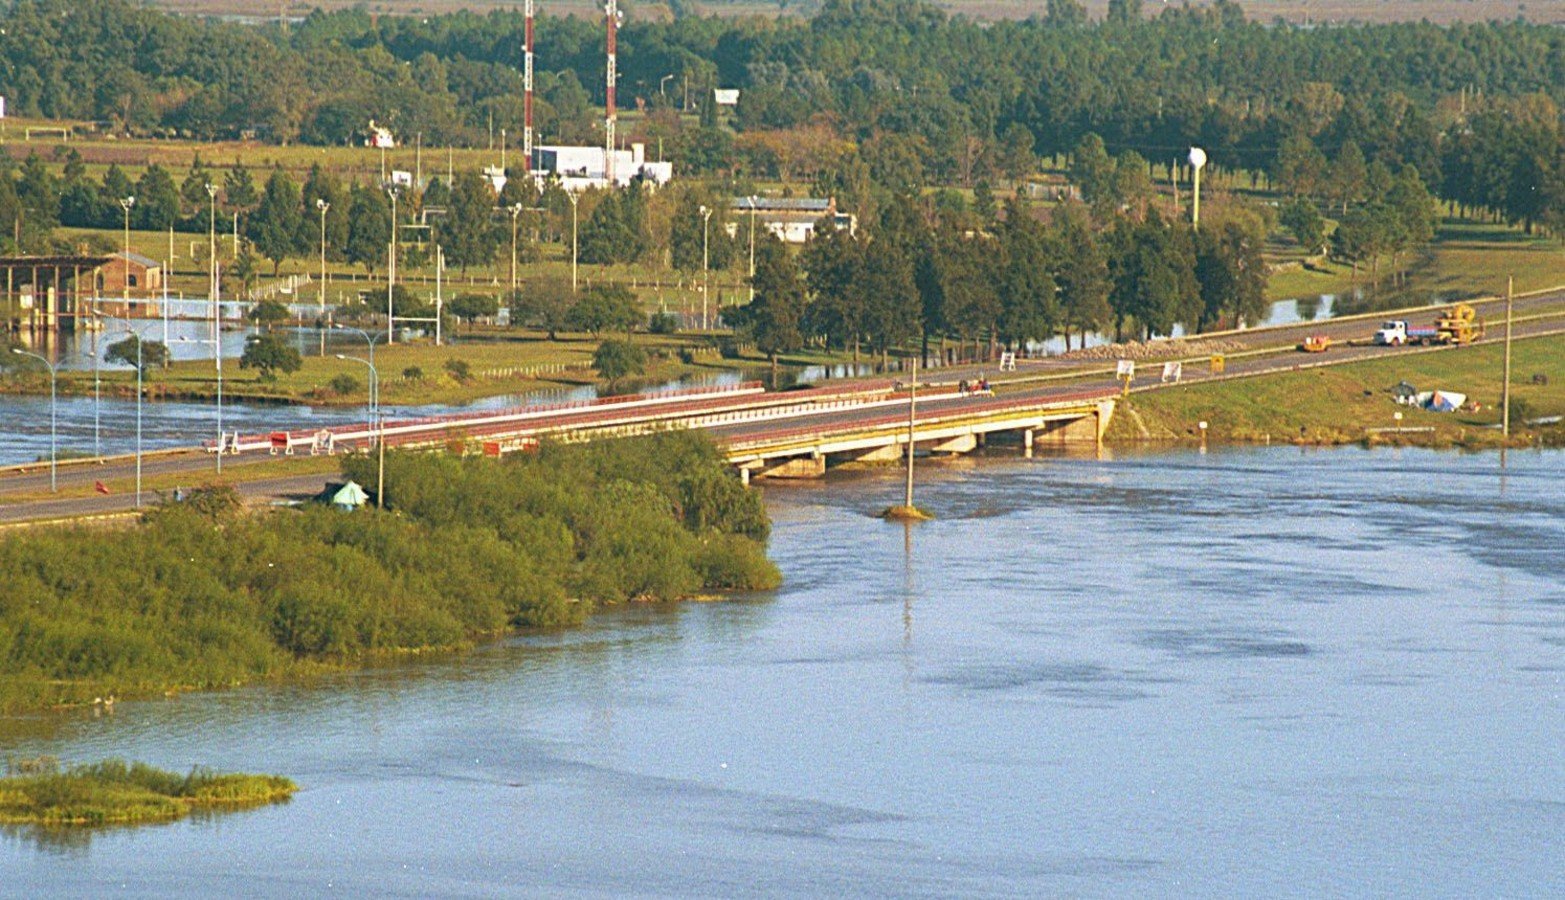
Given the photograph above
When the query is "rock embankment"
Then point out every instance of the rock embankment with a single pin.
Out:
(1173, 348)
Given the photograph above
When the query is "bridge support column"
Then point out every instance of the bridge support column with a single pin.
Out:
(1027, 443)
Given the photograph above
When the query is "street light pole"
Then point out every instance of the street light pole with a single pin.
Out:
(126, 203)
(380, 428)
(214, 288)
(706, 222)
(574, 200)
(322, 205)
(516, 210)
(752, 249)
(53, 433)
(391, 270)
(375, 385)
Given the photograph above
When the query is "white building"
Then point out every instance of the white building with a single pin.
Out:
(791, 219)
(579, 168)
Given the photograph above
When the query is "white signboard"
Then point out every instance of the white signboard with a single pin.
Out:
(1173, 371)
(1126, 369)
(726, 96)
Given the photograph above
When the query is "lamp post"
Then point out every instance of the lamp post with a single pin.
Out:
(380, 429)
(516, 210)
(391, 269)
(752, 249)
(190, 340)
(322, 205)
(126, 203)
(214, 287)
(132, 331)
(53, 441)
(706, 222)
(663, 83)
(574, 200)
(374, 385)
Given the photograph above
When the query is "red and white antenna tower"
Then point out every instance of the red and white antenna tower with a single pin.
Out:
(611, 15)
(527, 87)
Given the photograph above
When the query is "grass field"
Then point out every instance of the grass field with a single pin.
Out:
(1466, 259)
(1335, 404)
(522, 361)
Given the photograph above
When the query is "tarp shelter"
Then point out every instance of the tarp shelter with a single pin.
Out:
(345, 496)
(1446, 401)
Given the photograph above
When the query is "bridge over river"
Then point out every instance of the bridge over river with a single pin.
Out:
(769, 434)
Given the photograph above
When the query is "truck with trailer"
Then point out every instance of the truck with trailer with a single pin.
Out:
(1458, 325)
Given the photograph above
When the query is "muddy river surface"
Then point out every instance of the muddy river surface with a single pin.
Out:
(1253, 672)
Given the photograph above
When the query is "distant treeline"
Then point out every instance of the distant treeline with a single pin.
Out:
(919, 96)
(199, 595)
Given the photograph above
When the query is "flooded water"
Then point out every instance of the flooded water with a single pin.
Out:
(1250, 673)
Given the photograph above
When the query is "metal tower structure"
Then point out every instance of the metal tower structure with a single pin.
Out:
(527, 87)
(611, 17)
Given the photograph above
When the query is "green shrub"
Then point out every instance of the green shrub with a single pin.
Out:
(343, 384)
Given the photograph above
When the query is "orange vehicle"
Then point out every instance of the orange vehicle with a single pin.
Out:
(1315, 343)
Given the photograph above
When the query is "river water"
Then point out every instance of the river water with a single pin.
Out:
(1253, 672)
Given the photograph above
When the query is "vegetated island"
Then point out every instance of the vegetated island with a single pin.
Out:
(114, 792)
(200, 594)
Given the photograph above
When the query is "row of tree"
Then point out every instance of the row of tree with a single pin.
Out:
(893, 86)
(918, 275)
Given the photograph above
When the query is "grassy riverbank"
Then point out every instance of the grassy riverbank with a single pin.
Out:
(1339, 404)
(40, 792)
(411, 374)
(1466, 259)
(202, 595)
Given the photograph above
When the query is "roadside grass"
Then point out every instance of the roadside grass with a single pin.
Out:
(40, 792)
(255, 467)
(1336, 404)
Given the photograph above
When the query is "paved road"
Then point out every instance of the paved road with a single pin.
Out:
(288, 487)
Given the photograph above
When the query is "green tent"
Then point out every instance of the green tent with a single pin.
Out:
(347, 497)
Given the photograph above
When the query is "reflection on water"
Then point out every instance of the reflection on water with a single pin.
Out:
(1250, 673)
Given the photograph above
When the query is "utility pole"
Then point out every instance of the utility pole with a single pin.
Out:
(322, 205)
(752, 249)
(912, 403)
(706, 221)
(1505, 381)
(574, 201)
(516, 210)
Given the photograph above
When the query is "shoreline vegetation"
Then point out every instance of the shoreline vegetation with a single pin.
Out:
(43, 793)
(203, 595)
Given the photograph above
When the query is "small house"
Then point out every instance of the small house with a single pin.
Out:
(140, 275)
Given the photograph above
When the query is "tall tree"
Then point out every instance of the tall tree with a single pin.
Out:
(157, 200)
(469, 232)
(773, 318)
(369, 227)
(275, 225)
